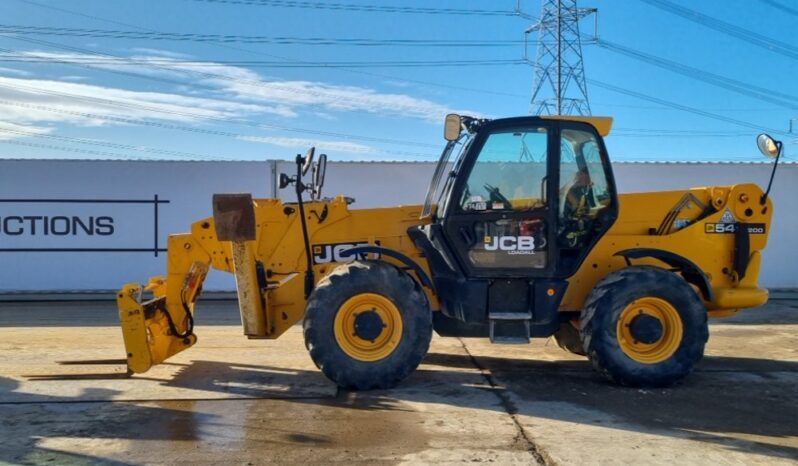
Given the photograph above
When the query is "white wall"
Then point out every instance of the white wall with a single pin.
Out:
(188, 187)
(372, 184)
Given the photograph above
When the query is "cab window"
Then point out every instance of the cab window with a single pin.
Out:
(509, 173)
(584, 188)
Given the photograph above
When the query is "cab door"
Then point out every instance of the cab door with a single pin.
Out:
(500, 220)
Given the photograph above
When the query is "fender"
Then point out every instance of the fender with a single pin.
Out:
(690, 271)
(425, 280)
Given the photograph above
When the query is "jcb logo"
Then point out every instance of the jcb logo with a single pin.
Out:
(335, 252)
(511, 244)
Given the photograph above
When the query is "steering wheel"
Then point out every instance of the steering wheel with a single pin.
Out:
(495, 196)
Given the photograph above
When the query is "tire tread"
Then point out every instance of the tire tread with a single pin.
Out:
(361, 277)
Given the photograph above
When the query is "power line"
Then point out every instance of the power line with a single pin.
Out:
(621, 131)
(693, 110)
(751, 37)
(129, 105)
(117, 119)
(254, 52)
(679, 135)
(215, 76)
(113, 145)
(367, 8)
(169, 126)
(661, 131)
(236, 38)
(110, 102)
(268, 64)
(227, 120)
(147, 62)
(249, 51)
(780, 6)
(116, 103)
(231, 47)
(69, 149)
(776, 97)
(711, 109)
(737, 86)
(245, 137)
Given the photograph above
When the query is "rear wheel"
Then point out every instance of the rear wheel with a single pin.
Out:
(644, 326)
(368, 325)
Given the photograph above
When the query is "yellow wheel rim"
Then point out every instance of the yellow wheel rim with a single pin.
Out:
(671, 330)
(371, 344)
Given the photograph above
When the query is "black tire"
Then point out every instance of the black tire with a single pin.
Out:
(604, 308)
(350, 280)
(568, 338)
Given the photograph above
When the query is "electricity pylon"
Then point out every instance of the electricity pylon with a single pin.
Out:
(559, 81)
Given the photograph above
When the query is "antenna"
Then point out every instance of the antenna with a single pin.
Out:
(559, 80)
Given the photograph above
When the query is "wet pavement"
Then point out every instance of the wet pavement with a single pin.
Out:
(64, 399)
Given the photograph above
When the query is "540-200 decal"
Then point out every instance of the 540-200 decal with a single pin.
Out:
(753, 228)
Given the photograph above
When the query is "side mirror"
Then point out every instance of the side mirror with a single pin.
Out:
(308, 160)
(319, 172)
(768, 146)
(452, 127)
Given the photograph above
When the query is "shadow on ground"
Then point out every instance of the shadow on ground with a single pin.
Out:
(745, 404)
(726, 398)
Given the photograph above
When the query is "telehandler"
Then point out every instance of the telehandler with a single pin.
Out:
(522, 234)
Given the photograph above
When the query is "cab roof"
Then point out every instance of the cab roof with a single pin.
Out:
(601, 123)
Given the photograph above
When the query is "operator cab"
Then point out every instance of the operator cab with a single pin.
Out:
(520, 208)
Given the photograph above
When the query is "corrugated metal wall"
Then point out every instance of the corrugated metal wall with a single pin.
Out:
(58, 235)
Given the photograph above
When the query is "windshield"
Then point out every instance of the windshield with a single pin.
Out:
(433, 193)
(509, 172)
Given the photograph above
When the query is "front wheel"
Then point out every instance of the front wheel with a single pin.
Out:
(644, 326)
(368, 325)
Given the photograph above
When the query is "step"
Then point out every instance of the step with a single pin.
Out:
(509, 316)
(513, 331)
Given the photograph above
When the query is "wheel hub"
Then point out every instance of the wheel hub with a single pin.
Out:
(649, 330)
(646, 328)
(368, 325)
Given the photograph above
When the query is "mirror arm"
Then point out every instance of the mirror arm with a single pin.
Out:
(764, 197)
(300, 188)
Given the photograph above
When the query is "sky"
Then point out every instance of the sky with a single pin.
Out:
(243, 79)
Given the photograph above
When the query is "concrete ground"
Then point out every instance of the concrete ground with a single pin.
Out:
(64, 400)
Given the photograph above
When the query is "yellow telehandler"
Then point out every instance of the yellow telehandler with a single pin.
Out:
(522, 235)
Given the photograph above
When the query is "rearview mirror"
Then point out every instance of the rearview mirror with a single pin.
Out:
(768, 146)
(308, 160)
(452, 127)
(319, 171)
